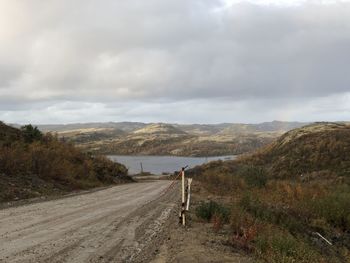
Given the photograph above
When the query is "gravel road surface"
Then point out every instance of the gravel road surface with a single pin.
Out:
(118, 224)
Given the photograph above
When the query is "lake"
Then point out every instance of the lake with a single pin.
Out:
(162, 164)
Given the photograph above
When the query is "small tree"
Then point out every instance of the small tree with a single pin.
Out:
(31, 133)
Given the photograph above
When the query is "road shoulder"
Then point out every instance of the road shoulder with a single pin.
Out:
(197, 242)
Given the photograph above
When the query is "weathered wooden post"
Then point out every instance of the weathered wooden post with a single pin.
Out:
(183, 196)
(189, 181)
(182, 215)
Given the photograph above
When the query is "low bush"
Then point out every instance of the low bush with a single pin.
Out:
(334, 208)
(277, 246)
(254, 176)
(273, 214)
(244, 228)
(208, 210)
(266, 240)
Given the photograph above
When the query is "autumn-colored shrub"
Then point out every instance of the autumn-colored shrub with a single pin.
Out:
(32, 163)
(208, 210)
(244, 228)
(277, 246)
(254, 176)
(334, 208)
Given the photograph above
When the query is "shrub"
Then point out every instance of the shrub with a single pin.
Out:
(335, 208)
(208, 210)
(244, 228)
(31, 133)
(279, 246)
(254, 176)
(273, 214)
(259, 233)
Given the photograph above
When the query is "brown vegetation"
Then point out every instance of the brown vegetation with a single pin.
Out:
(321, 148)
(288, 193)
(33, 164)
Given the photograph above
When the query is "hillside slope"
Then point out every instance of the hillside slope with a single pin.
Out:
(33, 164)
(319, 148)
(171, 139)
(313, 148)
(160, 128)
(284, 200)
(8, 134)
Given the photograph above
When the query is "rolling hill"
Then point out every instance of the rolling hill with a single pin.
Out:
(315, 149)
(311, 149)
(159, 129)
(170, 139)
(286, 202)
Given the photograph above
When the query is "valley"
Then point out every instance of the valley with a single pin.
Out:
(175, 131)
(286, 201)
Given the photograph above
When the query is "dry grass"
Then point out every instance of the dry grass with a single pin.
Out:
(275, 212)
(32, 164)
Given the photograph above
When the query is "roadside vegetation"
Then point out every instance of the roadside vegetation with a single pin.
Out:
(283, 199)
(34, 164)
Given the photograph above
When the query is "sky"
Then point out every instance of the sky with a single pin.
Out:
(184, 61)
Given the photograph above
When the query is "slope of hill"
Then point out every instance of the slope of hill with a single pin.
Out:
(124, 126)
(170, 139)
(287, 202)
(312, 148)
(8, 134)
(160, 128)
(33, 164)
(91, 134)
(153, 139)
(265, 127)
(202, 129)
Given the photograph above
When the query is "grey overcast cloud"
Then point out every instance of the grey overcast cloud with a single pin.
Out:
(187, 61)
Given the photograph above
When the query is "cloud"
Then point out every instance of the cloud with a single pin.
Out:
(334, 108)
(142, 54)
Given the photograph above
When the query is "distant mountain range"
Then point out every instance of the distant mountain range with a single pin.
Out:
(190, 128)
(170, 139)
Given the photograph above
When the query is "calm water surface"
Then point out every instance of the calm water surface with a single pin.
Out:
(160, 164)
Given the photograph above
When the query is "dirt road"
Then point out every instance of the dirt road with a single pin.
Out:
(118, 224)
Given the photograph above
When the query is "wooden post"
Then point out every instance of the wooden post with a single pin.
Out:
(141, 168)
(183, 197)
(189, 181)
(182, 215)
